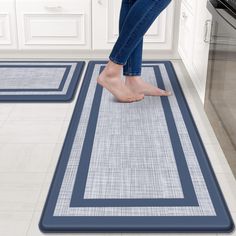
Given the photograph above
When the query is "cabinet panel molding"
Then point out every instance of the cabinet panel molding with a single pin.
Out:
(59, 24)
(57, 29)
(8, 39)
(5, 34)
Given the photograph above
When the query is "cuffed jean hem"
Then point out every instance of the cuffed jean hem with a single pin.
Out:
(115, 61)
(132, 74)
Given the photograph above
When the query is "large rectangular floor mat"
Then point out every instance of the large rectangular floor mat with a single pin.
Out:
(39, 80)
(135, 167)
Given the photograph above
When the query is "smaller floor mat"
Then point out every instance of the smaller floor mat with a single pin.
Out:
(134, 166)
(39, 80)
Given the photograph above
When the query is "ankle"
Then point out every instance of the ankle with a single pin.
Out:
(113, 69)
(132, 79)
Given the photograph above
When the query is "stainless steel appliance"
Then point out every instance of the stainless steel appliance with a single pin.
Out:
(220, 99)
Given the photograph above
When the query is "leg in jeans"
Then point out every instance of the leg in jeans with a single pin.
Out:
(139, 18)
(132, 68)
(134, 63)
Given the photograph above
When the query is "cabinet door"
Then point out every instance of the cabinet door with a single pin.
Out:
(105, 21)
(7, 25)
(201, 46)
(57, 24)
(186, 31)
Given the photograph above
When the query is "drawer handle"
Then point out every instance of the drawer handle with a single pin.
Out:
(53, 8)
(207, 36)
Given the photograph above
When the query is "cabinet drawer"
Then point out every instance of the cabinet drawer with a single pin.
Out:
(53, 24)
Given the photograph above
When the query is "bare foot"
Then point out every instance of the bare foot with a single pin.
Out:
(110, 79)
(138, 85)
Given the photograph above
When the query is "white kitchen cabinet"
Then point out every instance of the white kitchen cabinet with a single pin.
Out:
(105, 21)
(75, 25)
(54, 24)
(8, 29)
(193, 47)
(201, 46)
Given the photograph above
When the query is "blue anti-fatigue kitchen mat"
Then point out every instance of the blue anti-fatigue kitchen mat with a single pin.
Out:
(39, 80)
(134, 166)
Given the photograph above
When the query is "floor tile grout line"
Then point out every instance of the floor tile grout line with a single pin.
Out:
(5, 120)
(23, 172)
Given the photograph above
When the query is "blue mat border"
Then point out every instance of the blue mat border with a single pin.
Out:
(221, 223)
(46, 98)
(77, 199)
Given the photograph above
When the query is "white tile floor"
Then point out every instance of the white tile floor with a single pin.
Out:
(31, 137)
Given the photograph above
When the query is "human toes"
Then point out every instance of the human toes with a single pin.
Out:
(165, 92)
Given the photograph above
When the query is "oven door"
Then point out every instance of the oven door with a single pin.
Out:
(220, 97)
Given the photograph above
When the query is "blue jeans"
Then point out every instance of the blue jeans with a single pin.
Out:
(136, 16)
